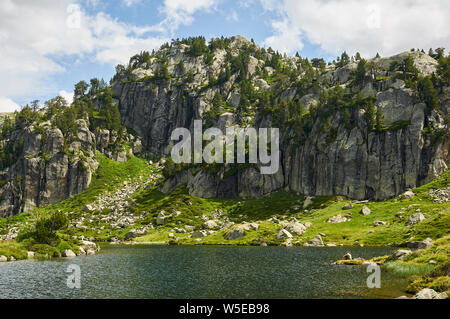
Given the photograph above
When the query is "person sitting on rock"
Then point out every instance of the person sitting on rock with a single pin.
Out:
(347, 256)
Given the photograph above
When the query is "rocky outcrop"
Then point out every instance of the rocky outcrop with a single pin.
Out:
(354, 162)
(49, 169)
(52, 166)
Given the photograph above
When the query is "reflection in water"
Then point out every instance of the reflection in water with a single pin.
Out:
(200, 272)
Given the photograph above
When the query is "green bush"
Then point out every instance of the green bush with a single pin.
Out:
(46, 227)
(45, 251)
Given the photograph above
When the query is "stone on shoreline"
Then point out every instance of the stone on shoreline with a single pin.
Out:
(68, 253)
(401, 254)
(428, 293)
(315, 242)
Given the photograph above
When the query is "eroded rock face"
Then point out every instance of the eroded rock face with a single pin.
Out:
(52, 167)
(355, 163)
(45, 174)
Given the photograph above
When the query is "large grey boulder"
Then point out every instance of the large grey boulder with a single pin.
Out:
(401, 254)
(296, 228)
(235, 233)
(415, 219)
(337, 219)
(210, 224)
(308, 202)
(68, 253)
(3, 259)
(349, 205)
(426, 243)
(283, 234)
(407, 194)
(161, 218)
(365, 211)
(315, 242)
(199, 234)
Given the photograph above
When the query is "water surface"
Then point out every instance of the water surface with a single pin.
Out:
(200, 272)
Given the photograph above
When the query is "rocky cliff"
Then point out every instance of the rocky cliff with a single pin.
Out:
(336, 150)
(50, 165)
(365, 129)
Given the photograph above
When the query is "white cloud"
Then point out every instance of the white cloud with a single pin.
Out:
(8, 105)
(36, 35)
(287, 38)
(129, 3)
(232, 16)
(383, 26)
(68, 96)
(180, 12)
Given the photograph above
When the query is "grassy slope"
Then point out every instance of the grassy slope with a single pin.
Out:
(360, 230)
(109, 177)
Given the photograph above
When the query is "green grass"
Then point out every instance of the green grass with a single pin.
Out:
(405, 269)
(360, 230)
(109, 176)
(12, 248)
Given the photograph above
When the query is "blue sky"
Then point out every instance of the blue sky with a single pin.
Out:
(49, 45)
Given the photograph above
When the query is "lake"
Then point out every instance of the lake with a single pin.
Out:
(201, 272)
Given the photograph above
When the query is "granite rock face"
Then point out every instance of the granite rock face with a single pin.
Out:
(52, 167)
(355, 163)
(45, 174)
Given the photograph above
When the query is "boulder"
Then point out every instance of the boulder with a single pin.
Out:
(365, 211)
(199, 234)
(86, 244)
(283, 234)
(287, 243)
(3, 258)
(347, 256)
(296, 228)
(235, 233)
(315, 242)
(426, 243)
(377, 223)
(407, 194)
(337, 219)
(401, 254)
(210, 224)
(428, 293)
(30, 254)
(349, 205)
(161, 218)
(68, 253)
(415, 219)
(308, 202)
(308, 224)
(81, 251)
(90, 252)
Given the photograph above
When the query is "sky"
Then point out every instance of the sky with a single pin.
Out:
(47, 46)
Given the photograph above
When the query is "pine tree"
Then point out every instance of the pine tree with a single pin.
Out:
(379, 120)
(428, 93)
(370, 116)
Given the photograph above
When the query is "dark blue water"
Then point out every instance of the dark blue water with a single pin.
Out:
(200, 272)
